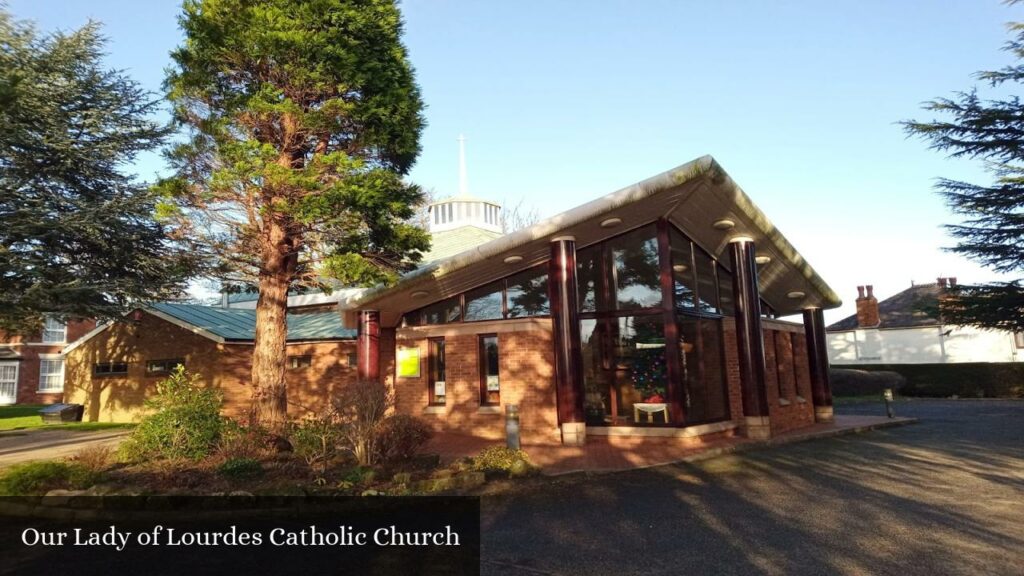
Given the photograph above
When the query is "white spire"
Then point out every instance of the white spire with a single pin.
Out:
(463, 179)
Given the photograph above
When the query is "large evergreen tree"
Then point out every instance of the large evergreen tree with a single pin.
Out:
(992, 232)
(303, 117)
(77, 233)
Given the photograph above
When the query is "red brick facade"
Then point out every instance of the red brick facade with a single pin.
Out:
(30, 349)
(120, 398)
(526, 377)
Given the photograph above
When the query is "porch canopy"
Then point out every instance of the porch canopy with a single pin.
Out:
(698, 197)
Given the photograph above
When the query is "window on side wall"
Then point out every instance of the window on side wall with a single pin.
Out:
(436, 392)
(163, 366)
(297, 362)
(1018, 339)
(110, 368)
(51, 373)
(490, 384)
(54, 331)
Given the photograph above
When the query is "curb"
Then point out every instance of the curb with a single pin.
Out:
(750, 445)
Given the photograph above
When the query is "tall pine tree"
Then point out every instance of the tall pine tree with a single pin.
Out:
(303, 117)
(992, 232)
(77, 231)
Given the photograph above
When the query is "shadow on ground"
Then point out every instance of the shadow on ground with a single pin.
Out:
(945, 496)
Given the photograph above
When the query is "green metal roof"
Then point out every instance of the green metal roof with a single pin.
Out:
(240, 324)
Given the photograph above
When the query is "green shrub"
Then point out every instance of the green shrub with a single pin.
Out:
(399, 437)
(847, 382)
(36, 478)
(240, 468)
(965, 380)
(184, 421)
(315, 439)
(503, 459)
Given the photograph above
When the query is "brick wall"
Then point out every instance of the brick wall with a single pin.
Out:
(732, 370)
(120, 398)
(787, 376)
(30, 348)
(525, 373)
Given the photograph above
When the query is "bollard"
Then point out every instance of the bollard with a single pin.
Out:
(887, 395)
(512, 426)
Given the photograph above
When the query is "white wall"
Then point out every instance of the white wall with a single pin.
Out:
(924, 345)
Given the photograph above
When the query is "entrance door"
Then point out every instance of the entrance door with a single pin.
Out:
(8, 382)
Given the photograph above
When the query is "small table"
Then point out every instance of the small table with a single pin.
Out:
(649, 408)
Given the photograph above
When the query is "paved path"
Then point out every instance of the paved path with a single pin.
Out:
(945, 496)
(41, 444)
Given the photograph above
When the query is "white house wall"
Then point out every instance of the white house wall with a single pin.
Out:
(924, 345)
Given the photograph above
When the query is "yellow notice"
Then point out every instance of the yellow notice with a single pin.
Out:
(408, 362)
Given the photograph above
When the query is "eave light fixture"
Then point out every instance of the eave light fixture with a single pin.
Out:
(514, 259)
(723, 224)
(611, 222)
(419, 293)
(795, 294)
(762, 259)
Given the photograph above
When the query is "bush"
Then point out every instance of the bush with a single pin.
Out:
(359, 409)
(399, 437)
(238, 441)
(37, 478)
(240, 468)
(503, 459)
(864, 383)
(185, 421)
(95, 458)
(315, 439)
(965, 380)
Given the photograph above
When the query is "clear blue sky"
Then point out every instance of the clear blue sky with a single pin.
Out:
(564, 101)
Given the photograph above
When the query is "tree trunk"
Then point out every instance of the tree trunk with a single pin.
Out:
(270, 395)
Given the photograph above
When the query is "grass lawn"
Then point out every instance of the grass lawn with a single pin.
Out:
(26, 416)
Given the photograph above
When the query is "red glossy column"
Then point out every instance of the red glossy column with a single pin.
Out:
(565, 321)
(749, 338)
(368, 345)
(817, 359)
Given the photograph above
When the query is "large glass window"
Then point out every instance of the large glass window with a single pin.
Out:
(636, 276)
(527, 294)
(589, 274)
(625, 370)
(490, 383)
(444, 312)
(484, 303)
(682, 272)
(518, 296)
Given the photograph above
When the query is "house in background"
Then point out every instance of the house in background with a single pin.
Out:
(31, 366)
(903, 329)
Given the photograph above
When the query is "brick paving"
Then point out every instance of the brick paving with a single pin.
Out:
(612, 453)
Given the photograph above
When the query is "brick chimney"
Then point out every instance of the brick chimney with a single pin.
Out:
(867, 307)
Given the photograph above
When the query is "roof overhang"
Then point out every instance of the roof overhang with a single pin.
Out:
(693, 196)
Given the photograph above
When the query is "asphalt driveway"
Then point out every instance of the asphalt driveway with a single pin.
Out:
(945, 496)
(21, 446)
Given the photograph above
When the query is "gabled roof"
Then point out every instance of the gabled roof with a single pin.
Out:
(904, 310)
(236, 324)
(693, 196)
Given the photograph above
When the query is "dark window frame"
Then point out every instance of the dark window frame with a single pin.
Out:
(487, 398)
(432, 370)
(300, 361)
(110, 371)
(418, 317)
(167, 369)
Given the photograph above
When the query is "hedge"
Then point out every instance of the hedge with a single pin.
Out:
(857, 382)
(966, 380)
